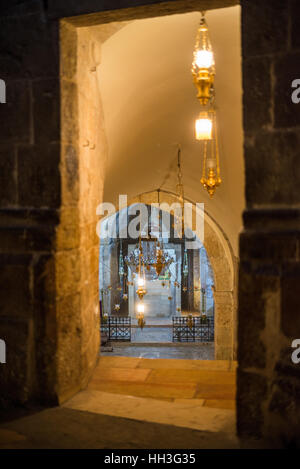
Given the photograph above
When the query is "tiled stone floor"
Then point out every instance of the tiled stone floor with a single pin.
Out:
(180, 351)
(210, 381)
(138, 403)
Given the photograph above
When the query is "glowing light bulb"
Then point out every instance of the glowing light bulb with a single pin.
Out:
(141, 282)
(140, 308)
(203, 128)
(204, 59)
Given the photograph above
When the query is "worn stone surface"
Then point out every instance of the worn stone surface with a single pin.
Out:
(38, 175)
(264, 27)
(278, 154)
(252, 391)
(68, 428)
(29, 37)
(290, 300)
(257, 78)
(16, 114)
(8, 183)
(295, 23)
(18, 374)
(286, 113)
(269, 246)
(46, 112)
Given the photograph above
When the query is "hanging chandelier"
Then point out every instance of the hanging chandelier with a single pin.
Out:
(151, 254)
(203, 71)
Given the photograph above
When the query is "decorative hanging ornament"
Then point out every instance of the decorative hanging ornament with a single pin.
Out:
(203, 71)
(203, 65)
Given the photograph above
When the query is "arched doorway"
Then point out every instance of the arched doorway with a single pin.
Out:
(217, 254)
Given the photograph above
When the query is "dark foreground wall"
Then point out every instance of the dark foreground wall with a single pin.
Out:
(34, 178)
(269, 303)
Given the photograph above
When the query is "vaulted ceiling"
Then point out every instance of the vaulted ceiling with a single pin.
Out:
(150, 105)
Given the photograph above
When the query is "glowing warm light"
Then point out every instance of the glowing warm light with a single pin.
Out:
(141, 282)
(140, 308)
(204, 59)
(203, 128)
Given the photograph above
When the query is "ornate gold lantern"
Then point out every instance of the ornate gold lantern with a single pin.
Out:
(203, 66)
(206, 133)
(203, 71)
(141, 290)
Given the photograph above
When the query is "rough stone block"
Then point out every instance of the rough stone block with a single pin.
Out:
(295, 23)
(286, 69)
(251, 392)
(68, 232)
(223, 353)
(269, 246)
(38, 175)
(15, 290)
(290, 300)
(8, 186)
(257, 98)
(69, 175)
(17, 374)
(284, 406)
(255, 287)
(267, 159)
(46, 110)
(23, 230)
(46, 337)
(69, 112)
(223, 336)
(264, 27)
(68, 60)
(68, 274)
(30, 45)
(15, 113)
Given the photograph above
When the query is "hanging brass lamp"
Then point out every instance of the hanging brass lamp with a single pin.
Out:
(206, 133)
(203, 71)
(203, 65)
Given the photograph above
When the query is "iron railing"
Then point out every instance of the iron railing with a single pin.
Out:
(193, 329)
(116, 328)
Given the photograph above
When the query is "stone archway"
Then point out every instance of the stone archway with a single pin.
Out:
(223, 265)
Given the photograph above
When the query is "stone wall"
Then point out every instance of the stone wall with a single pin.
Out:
(268, 400)
(51, 184)
(30, 197)
(42, 305)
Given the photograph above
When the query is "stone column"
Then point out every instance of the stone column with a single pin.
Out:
(268, 401)
(30, 195)
(223, 325)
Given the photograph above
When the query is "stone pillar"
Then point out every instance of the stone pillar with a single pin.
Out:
(268, 403)
(30, 195)
(223, 325)
(49, 299)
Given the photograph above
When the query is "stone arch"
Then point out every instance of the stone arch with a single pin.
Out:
(223, 264)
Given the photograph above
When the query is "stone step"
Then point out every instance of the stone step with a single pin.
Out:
(180, 413)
